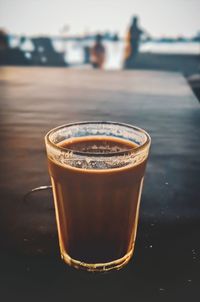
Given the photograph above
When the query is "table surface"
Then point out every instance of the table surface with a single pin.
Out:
(166, 261)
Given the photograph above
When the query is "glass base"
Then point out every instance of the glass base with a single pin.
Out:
(98, 267)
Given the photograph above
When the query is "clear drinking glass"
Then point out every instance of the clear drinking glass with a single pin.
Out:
(97, 171)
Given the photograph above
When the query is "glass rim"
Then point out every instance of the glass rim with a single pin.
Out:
(135, 150)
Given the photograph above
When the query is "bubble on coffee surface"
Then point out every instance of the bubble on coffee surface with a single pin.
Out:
(97, 164)
(100, 163)
(99, 147)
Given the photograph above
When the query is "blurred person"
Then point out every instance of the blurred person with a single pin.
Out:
(97, 53)
(132, 42)
(4, 44)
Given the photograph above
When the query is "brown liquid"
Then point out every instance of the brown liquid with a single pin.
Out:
(96, 210)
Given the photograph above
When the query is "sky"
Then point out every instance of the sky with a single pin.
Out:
(158, 17)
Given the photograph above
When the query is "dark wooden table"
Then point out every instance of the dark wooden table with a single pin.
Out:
(166, 262)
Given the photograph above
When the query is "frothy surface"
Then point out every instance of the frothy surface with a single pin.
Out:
(98, 145)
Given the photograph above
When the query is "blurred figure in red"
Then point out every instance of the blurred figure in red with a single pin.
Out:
(97, 53)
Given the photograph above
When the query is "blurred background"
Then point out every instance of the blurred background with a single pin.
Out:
(106, 34)
(118, 60)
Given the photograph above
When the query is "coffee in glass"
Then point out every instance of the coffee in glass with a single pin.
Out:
(97, 171)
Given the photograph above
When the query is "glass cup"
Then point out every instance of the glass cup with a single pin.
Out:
(97, 171)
